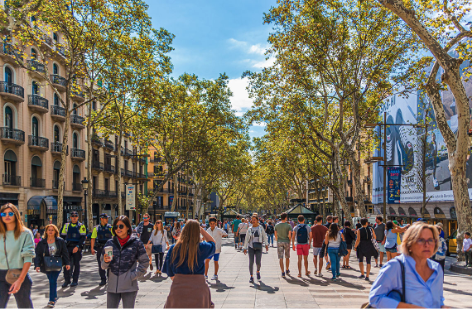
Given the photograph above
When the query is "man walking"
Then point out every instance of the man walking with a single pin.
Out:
(217, 235)
(100, 234)
(282, 232)
(235, 225)
(467, 248)
(74, 234)
(144, 230)
(379, 232)
(303, 235)
(318, 236)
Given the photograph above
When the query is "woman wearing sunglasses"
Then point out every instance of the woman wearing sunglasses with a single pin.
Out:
(128, 262)
(159, 239)
(16, 254)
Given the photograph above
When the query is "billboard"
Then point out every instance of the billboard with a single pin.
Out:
(130, 197)
(404, 148)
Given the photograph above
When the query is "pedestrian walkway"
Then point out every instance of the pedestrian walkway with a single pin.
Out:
(234, 291)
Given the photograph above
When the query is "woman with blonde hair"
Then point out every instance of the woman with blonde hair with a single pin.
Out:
(157, 244)
(16, 254)
(412, 278)
(185, 264)
(51, 246)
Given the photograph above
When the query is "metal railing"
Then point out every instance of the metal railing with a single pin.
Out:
(37, 182)
(9, 49)
(12, 88)
(58, 111)
(78, 153)
(96, 140)
(10, 180)
(58, 80)
(13, 134)
(78, 94)
(97, 165)
(128, 173)
(57, 147)
(109, 168)
(38, 141)
(76, 119)
(37, 66)
(36, 100)
(48, 40)
(109, 144)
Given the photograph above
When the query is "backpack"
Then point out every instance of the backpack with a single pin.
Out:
(270, 229)
(302, 235)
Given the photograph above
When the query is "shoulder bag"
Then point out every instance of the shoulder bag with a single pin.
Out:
(395, 294)
(373, 240)
(155, 249)
(12, 274)
(52, 263)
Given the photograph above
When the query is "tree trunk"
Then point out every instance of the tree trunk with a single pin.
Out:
(174, 200)
(89, 174)
(339, 186)
(119, 173)
(60, 194)
(355, 165)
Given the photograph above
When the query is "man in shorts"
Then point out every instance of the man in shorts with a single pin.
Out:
(318, 236)
(217, 234)
(303, 235)
(379, 233)
(235, 225)
(282, 233)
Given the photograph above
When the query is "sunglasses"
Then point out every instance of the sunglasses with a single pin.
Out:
(120, 226)
(74, 216)
(4, 214)
(145, 218)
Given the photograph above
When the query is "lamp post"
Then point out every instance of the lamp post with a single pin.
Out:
(85, 186)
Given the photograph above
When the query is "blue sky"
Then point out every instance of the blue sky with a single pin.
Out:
(214, 37)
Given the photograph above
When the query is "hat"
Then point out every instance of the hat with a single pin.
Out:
(104, 215)
(395, 222)
(440, 224)
(74, 213)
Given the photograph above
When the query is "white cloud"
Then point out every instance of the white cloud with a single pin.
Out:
(240, 100)
(257, 49)
(264, 64)
(249, 49)
(236, 43)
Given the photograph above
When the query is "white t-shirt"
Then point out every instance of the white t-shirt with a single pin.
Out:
(217, 234)
(243, 228)
(466, 243)
(159, 239)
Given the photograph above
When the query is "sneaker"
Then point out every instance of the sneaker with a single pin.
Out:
(320, 275)
(361, 276)
(287, 272)
(283, 275)
(367, 278)
(215, 277)
(252, 280)
(258, 275)
(376, 266)
(338, 276)
(380, 265)
(103, 282)
(65, 284)
(51, 304)
(334, 279)
(73, 284)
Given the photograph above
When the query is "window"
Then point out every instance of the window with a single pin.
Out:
(55, 69)
(56, 100)
(34, 126)
(74, 111)
(75, 141)
(76, 174)
(8, 75)
(55, 38)
(10, 168)
(34, 88)
(8, 117)
(36, 166)
(34, 54)
(94, 105)
(56, 170)
(56, 134)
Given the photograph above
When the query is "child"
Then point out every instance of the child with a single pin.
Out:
(217, 235)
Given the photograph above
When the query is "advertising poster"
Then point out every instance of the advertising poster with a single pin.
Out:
(130, 197)
(394, 185)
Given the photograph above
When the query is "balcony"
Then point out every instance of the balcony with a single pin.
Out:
(128, 173)
(109, 168)
(76, 186)
(97, 141)
(59, 82)
(56, 185)
(157, 159)
(10, 180)
(112, 194)
(36, 68)
(78, 96)
(99, 193)
(58, 113)
(48, 40)
(77, 122)
(12, 136)
(56, 149)
(141, 176)
(61, 50)
(78, 154)
(37, 182)
(98, 166)
(122, 171)
(12, 92)
(38, 103)
(126, 152)
(109, 145)
(9, 53)
(38, 143)
(349, 198)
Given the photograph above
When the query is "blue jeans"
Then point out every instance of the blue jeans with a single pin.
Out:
(22, 297)
(335, 261)
(52, 277)
(270, 239)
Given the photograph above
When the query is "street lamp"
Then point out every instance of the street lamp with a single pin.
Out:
(85, 186)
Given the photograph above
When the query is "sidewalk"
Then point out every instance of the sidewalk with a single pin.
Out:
(234, 291)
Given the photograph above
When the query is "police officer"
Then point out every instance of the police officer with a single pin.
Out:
(74, 233)
(100, 235)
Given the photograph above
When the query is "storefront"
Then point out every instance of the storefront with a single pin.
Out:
(41, 210)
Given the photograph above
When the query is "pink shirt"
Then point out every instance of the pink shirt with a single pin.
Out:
(36, 241)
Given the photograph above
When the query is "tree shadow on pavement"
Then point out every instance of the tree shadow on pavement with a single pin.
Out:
(263, 287)
(314, 281)
(92, 294)
(219, 286)
(145, 277)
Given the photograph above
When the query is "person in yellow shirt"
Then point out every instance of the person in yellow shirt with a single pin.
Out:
(100, 235)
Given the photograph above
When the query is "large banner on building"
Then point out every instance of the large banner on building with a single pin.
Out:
(394, 185)
(404, 148)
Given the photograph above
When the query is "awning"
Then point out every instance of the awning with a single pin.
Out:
(438, 213)
(392, 212)
(412, 212)
(35, 202)
(10, 156)
(401, 211)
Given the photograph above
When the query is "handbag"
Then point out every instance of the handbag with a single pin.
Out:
(343, 249)
(373, 241)
(156, 249)
(257, 246)
(12, 274)
(395, 294)
(52, 263)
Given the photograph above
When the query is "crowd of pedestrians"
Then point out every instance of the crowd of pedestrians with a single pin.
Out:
(415, 255)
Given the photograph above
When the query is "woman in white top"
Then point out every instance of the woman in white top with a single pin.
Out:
(159, 237)
(242, 230)
(333, 238)
(255, 240)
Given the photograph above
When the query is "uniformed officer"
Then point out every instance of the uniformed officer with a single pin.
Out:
(100, 235)
(74, 233)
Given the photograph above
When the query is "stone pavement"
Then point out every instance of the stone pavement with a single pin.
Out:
(234, 291)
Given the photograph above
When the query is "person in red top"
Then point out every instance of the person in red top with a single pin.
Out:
(318, 236)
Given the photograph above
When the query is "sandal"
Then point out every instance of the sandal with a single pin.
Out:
(307, 273)
(299, 276)
(349, 267)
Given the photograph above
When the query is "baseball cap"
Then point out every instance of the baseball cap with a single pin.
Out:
(104, 215)
(74, 213)
(395, 222)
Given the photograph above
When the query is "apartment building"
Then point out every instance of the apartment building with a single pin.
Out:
(318, 196)
(31, 133)
(157, 170)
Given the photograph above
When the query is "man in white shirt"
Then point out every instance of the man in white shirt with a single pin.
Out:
(217, 235)
(467, 248)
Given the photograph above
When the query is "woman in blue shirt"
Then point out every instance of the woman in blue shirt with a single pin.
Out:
(423, 277)
(390, 239)
(185, 264)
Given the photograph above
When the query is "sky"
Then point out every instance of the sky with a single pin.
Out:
(214, 37)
